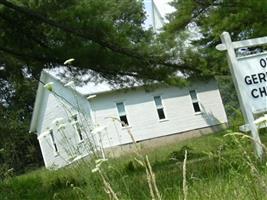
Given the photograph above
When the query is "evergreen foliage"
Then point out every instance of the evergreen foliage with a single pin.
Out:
(107, 37)
(206, 20)
(19, 150)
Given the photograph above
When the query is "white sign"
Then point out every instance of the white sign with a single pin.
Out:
(250, 79)
(251, 73)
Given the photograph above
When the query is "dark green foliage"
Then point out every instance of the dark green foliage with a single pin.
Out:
(242, 19)
(131, 166)
(191, 154)
(66, 182)
(105, 36)
(19, 149)
(230, 101)
(40, 187)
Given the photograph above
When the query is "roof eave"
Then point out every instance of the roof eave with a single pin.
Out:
(37, 103)
(39, 98)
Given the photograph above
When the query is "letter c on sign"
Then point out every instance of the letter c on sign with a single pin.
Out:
(253, 93)
(263, 63)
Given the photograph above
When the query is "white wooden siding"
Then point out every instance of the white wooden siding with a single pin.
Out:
(142, 114)
(68, 142)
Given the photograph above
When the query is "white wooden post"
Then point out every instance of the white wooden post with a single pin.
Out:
(245, 108)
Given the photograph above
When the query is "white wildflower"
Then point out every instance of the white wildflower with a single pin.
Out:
(1, 150)
(69, 84)
(57, 120)
(98, 162)
(261, 119)
(61, 126)
(10, 170)
(77, 158)
(101, 160)
(44, 134)
(74, 115)
(69, 61)
(95, 170)
(91, 96)
(74, 123)
(49, 86)
(98, 129)
(71, 159)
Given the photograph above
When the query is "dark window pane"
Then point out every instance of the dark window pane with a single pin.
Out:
(55, 146)
(161, 113)
(53, 140)
(158, 102)
(193, 95)
(196, 107)
(79, 131)
(77, 126)
(124, 119)
(75, 118)
(121, 108)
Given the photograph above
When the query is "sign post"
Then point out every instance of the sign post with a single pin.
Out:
(250, 79)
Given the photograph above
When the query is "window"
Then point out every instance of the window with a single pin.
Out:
(53, 140)
(122, 114)
(195, 101)
(77, 126)
(159, 107)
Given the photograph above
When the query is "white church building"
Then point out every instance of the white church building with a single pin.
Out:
(72, 124)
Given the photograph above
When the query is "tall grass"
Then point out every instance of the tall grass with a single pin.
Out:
(226, 169)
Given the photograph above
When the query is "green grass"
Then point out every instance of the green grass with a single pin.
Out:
(217, 168)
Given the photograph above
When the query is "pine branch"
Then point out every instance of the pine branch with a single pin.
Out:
(14, 24)
(132, 53)
(19, 54)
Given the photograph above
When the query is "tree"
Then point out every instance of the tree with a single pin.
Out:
(19, 149)
(242, 19)
(104, 36)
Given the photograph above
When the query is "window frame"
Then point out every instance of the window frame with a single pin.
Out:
(53, 141)
(195, 101)
(78, 130)
(126, 114)
(162, 107)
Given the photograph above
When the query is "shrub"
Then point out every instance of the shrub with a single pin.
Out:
(191, 154)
